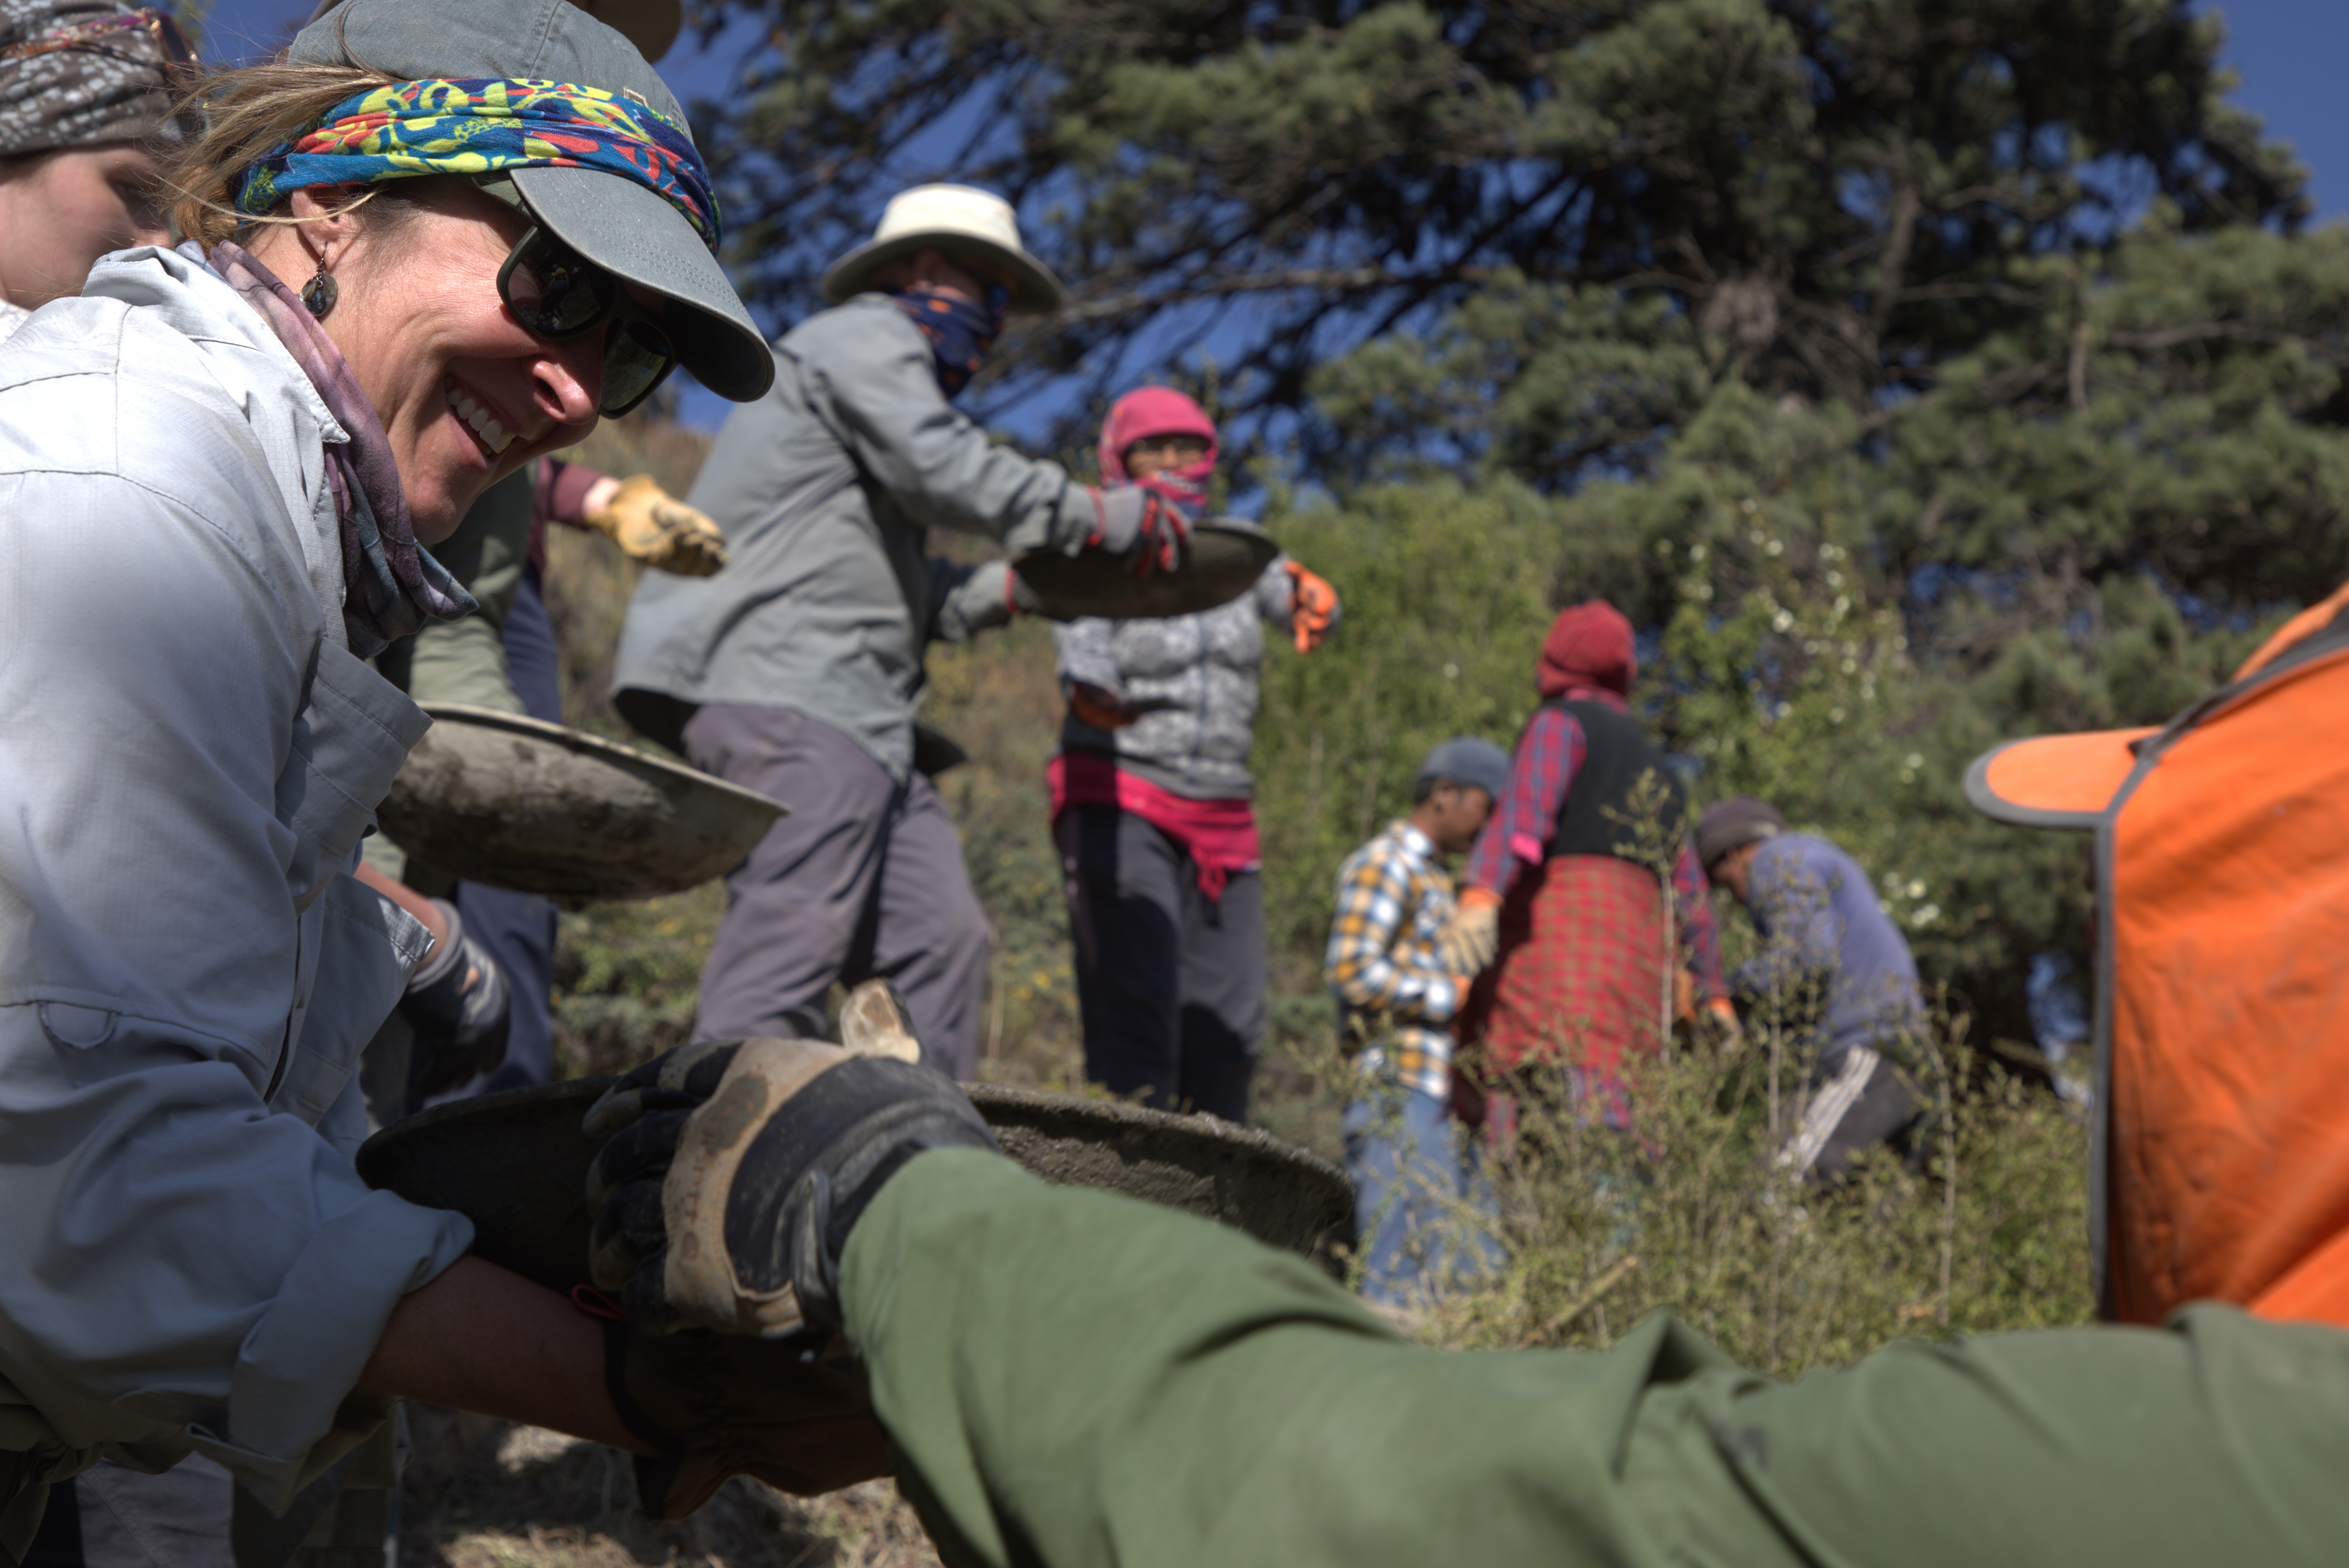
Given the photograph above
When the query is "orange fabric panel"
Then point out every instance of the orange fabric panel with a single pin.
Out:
(2064, 772)
(2230, 1023)
(2293, 630)
(2315, 1292)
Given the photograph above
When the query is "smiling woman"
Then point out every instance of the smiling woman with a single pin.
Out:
(437, 241)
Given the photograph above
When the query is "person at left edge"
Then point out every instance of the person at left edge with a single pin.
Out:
(218, 466)
(796, 672)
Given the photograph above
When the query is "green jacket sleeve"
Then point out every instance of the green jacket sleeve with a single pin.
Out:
(1076, 1379)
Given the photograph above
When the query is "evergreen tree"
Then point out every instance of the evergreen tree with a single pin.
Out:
(1832, 195)
(1922, 372)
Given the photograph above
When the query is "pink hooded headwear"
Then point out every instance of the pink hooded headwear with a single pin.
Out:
(1159, 411)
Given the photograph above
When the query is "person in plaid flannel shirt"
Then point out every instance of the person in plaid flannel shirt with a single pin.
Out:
(1412, 1166)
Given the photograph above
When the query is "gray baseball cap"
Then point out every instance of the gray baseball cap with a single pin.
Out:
(625, 228)
(1465, 760)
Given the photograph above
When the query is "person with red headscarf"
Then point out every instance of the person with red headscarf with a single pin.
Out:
(1563, 897)
(1151, 800)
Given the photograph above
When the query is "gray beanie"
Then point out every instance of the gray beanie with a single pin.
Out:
(74, 73)
(1732, 824)
(1465, 760)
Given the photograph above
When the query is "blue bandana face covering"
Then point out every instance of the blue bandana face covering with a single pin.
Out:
(960, 331)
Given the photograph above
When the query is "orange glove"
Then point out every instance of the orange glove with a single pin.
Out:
(1312, 607)
(1097, 707)
(1721, 1018)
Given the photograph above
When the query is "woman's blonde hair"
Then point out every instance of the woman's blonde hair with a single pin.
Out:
(246, 114)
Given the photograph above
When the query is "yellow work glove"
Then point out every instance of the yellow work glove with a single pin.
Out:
(666, 534)
(1472, 938)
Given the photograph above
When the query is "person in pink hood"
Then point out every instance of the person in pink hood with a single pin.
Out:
(1151, 800)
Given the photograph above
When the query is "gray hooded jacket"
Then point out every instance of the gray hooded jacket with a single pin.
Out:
(826, 487)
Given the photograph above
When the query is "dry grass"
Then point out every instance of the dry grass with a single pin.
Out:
(486, 1494)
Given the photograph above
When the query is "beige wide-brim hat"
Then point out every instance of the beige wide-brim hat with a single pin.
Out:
(962, 223)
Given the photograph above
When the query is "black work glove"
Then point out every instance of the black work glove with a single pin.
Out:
(461, 1010)
(720, 1405)
(732, 1173)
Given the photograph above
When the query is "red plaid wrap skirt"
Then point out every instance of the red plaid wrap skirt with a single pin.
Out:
(1579, 981)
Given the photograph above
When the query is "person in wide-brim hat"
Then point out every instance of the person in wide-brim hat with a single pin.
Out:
(963, 223)
(797, 672)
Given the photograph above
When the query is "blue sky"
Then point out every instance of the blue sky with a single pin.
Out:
(2290, 55)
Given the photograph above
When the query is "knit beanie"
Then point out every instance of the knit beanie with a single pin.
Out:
(1732, 824)
(1588, 645)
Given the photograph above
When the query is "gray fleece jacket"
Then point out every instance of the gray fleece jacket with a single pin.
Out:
(825, 488)
(1191, 680)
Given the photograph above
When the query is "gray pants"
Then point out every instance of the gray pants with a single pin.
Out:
(863, 879)
(1169, 981)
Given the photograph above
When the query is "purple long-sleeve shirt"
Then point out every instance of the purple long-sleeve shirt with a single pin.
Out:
(1820, 921)
(1549, 753)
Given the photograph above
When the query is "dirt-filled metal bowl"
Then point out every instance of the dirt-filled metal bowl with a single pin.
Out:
(514, 1162)
(1245, 1177)
(1221, 561)
(517, 803)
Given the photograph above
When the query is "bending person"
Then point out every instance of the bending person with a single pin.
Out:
(1152, 800)
(1826, 935)
(218, 465)
(796, 672)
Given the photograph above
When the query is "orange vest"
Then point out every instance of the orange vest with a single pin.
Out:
(2220, 1163)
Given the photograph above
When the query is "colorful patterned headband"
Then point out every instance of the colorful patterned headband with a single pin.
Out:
(481, 126)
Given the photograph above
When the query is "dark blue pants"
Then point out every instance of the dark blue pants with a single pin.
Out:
(518, 928)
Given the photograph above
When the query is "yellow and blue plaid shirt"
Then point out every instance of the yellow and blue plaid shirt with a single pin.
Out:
(1393, 897)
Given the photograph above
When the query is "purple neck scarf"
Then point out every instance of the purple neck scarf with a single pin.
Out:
(391, 584)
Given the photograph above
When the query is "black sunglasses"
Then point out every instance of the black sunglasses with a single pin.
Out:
(556, 295)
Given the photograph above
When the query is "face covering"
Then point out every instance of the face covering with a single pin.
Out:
(960, 331)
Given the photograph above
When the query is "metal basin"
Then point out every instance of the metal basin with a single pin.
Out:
(1222, 561)
(1242, 1176)
(517, 803)
(514, 1162)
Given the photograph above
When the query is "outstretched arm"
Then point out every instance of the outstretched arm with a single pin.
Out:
(1077, 1380)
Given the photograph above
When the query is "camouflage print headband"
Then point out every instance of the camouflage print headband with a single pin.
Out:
(76, 72)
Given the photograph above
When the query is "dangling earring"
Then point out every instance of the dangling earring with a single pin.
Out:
(319, 296)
